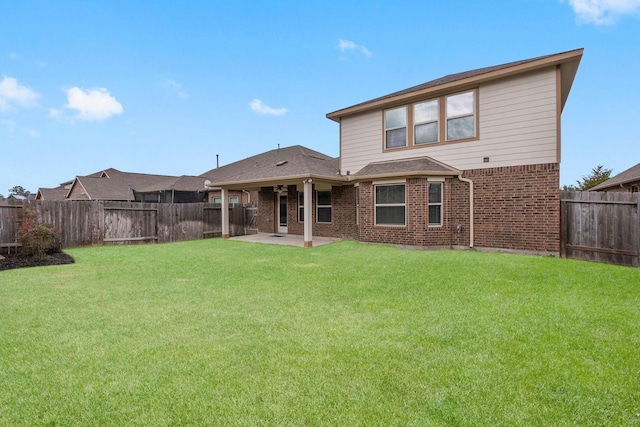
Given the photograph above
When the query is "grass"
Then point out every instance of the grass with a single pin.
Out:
(217, 332)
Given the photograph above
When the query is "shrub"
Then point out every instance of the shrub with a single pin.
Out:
(37, 239)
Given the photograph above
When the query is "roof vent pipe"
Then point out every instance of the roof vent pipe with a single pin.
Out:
(217, 161)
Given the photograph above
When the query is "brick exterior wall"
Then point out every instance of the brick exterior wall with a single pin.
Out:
(343, 213)
(416, 232)
(516, 208)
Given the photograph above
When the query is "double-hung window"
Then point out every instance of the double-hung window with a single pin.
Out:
(301, 207)
(425, 119)
(435, 204)
(395, 127)
(461, 121)
(390, 204)
(323, 206)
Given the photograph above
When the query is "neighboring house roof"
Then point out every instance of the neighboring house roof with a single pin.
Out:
(568, 62)
(180, 183)
(279, 165)
(422, 166)
(630, 175)
(112, 184)
(58, 193)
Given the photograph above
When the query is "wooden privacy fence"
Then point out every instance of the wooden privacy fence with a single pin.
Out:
(94, 223)
(599, 226)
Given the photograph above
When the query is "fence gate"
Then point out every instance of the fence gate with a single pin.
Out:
(251, 219)
(600, 226)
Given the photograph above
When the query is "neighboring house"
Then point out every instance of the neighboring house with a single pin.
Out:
(470, 159)
(29, 196)
(58, 193)
(627, 181)
(182, 189)
(112, 184)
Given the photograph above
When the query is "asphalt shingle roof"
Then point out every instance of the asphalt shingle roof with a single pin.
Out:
(279, 164)
(116, 184)
(405, 167)
(53, 193)
(630, 175)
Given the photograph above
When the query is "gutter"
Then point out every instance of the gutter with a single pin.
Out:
(470, 208)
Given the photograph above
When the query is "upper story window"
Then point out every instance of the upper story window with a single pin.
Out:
(461, 121)
(425, 118)
(434, 121)
(395, 127)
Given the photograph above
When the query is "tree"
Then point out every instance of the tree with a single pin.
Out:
(18, 190)
(598, 174)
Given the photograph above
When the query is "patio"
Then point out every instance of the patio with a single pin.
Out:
(283, 239)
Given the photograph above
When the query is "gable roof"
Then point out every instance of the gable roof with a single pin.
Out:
(279, 165)
(58, 193)
(112, 184)
(630, 175)
(421, 166)
(567, 61)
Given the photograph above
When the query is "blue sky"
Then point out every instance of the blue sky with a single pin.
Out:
(162, 87)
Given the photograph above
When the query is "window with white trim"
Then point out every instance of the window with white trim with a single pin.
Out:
(435, 204)
(301, 207)
(217, 200)
(357, 190)
(390, 204)
(323, 206)
(395, 127)
(233, 200)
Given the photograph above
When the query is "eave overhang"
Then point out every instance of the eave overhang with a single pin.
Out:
(337, 180)
(567, 62)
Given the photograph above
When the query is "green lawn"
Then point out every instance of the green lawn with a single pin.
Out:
(215, 332)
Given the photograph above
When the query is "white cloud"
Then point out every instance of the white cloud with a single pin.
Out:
(14, 94)
(346, 45)
(34, 133)
(175, 87)
(92, 105)
(260, 108)
(604, 12)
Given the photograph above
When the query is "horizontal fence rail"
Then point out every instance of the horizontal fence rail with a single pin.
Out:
(83, 223)
(600, 226)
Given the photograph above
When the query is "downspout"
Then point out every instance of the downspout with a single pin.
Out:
(470, 208)
(248, 196)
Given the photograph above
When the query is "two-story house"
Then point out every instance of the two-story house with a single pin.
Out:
(470, 159)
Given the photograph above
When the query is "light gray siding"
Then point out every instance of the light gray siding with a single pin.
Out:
(517, 126)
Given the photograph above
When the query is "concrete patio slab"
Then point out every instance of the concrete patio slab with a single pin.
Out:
(283, 239)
